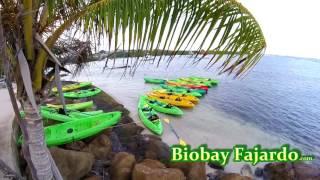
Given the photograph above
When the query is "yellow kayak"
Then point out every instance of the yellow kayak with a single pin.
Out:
(172, 95)
(74, 86)
(176, 102)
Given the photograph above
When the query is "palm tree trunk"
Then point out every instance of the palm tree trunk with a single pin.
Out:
(34, 146)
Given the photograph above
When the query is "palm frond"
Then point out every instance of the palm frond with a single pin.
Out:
(223, 26)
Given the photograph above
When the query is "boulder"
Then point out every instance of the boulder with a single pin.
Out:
(122, 165)
(77, 146)
(246, 171)
(126, 131)
(278, 170)
(72, 165)
(214, 165)
(193, 171)
(233, 176)
(155, 149)
(153, 164)
(258, 172)
(155, 170)
(93, 178)
(100, 147)
(306, 171)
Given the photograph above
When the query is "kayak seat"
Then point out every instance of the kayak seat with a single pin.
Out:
(69, 131)
(146, 109)
(170, 93)
(168, 106)
(153, 117)
(62, 111)
(162, 97)
(178, 99)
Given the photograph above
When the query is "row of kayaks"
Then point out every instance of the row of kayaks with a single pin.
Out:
(169, 97)
(74, 122)
(191, 82)
(76, 91)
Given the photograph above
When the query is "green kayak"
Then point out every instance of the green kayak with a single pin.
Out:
(195, 94)
(149, 117)
(154, 81)
(201, 79)
(60, 115)
(162, 106)
(71, 87)
(72, 131)
(183, 89)
(82, 93)
(196, 82)
(75, 106)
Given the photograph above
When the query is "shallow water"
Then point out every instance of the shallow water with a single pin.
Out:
(276, 103)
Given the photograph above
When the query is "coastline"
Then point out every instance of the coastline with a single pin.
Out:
(128, 151)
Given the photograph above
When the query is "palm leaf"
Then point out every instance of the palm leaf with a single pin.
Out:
(223, 26)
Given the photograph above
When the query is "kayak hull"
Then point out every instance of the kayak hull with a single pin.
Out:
(175, 96)
(154, 81)
(75, 106)
(82, 93)
(163, 107)
(182, 103)
(74, 86)
(72, 131)
(53, 114)
(180, 89)
(145, 112)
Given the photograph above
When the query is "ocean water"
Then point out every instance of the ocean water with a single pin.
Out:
(276, 103)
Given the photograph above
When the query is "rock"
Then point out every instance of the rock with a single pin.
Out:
(211, 176)
(116, 144)
(128, 130)
(193, 171)
(214, 165)
(258, 172)
(72, 164)
(155, 149)
(93, 178)
(99, 168)
(233, 176)
(278, 171)
(77, 146)
(306, 171)
(153, 164)
(100, 147)
(122, 165)
(155, 170)
(246, 171)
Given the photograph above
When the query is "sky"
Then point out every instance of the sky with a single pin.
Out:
(291, 27)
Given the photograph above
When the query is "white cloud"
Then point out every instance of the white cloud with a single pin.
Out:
(291, 27)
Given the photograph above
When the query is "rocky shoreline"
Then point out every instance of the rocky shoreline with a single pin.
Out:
(123, 153)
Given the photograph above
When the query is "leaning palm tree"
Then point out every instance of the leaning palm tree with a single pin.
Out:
(29, 29)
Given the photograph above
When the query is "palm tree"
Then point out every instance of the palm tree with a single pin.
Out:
(30, 28)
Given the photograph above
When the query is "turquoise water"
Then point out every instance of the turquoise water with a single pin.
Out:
(276, 103)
